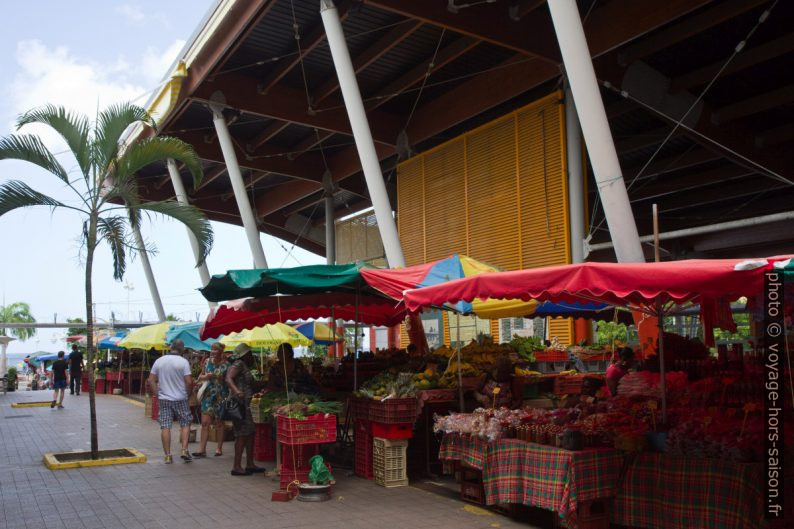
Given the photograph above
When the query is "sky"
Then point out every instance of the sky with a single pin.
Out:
(87, 55)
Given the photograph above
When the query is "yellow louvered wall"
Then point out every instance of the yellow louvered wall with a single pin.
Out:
(497, 193)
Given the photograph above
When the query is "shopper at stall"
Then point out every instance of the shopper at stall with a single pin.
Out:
(59, 368)
(75, 370)
(215, 392)
(298, 378)
(619, 369)
(241, 385)
(172, 382)
(496, 391)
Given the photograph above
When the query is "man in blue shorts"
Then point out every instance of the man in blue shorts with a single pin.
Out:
(59, 369)
(172, 382)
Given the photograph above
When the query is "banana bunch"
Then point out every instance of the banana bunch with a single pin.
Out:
(570, 372)
(521, 372)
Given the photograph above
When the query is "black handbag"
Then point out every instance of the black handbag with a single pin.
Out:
(232, 410)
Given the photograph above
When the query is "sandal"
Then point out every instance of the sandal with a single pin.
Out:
(199, 454)
(218, 453)
(243, 473)
(255, 470)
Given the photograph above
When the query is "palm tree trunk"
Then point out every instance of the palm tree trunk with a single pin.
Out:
(89, 318)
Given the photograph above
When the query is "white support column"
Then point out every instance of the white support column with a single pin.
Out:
(238, 186)
(361, 133)
(595, 128)
(576, 198)
(181, 196)
(147, 270)
(4, 340)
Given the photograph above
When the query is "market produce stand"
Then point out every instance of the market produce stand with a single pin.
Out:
(570, 483)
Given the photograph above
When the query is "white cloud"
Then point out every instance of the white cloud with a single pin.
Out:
(132, 13)
(56, 75)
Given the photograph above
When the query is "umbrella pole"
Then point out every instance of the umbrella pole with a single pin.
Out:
(662, 382)
(460, 374)
(355, 348)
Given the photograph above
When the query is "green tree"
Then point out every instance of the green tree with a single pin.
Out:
(105, 189)
(171, 317)
(74, 331)
(609, 331)
(18, 312)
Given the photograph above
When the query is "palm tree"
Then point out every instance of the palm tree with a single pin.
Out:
(18, 312)
(105, 189)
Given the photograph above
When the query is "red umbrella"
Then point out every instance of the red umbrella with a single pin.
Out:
(653, 288)
(237, 315)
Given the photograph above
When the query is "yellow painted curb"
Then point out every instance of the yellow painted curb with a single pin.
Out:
(53, 464)
(35, 404)
(131, 401)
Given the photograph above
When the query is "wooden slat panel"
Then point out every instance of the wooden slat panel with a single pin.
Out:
(491, 177)
(445, 215)
(410, 210)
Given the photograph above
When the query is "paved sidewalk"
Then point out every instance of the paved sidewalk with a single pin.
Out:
(179, 496)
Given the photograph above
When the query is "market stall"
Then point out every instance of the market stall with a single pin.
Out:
(706, 453)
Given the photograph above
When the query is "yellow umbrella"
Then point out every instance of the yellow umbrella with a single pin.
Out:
(267, 336)
(151, 336)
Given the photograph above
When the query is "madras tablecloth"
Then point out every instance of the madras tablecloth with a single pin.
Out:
(669, 492)
(467, 449)
(548, 477)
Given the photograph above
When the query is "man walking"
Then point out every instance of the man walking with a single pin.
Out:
(59, 368)
(172, 382)
(75, 370)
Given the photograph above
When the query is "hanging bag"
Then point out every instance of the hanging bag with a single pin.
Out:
(232, 409)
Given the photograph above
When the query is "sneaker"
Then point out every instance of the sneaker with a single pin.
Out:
(186, 457)
(52, 404)
(60, 406)
(169, 459)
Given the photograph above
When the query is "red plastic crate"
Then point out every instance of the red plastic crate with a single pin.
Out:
(363, 440)
(393, 432)
(84, 383)
(394, 411)
(359, 407)
(297, 456)
(314, 429)
(551, 356)
(99, 386)
(568, 385)
(264, 442)
(290, 475)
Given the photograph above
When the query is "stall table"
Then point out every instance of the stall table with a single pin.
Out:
(661, 491)
(525, 473)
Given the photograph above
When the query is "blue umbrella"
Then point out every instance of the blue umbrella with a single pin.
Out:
(48, 358)
(112, 342)
(189, 334)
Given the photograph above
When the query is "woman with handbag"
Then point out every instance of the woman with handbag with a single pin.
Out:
(241, 386)
(212, 393)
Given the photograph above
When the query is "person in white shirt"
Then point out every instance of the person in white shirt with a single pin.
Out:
(171, 380)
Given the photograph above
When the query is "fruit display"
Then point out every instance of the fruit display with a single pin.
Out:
(523, 372)
(389, 384)
(427, 379)
(449, 380)
(527, 347)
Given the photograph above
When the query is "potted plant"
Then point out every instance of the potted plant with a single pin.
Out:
(11, 379)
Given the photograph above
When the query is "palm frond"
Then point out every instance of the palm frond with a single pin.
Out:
(190, 216)
(111, 124)
(111, 230)
(30, 148)
(73, 128)
(15, 194)
(157, 149)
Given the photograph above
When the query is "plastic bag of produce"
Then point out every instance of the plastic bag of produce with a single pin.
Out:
(319, 473)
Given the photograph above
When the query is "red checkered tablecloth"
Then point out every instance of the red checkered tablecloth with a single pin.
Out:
(468, 450)
(669, 492)
(548, 477)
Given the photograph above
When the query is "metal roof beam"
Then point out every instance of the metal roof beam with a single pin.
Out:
(754, 105)
(373, 52)
(689, 27)
(308, 42)
(747, 58)
(289, 105)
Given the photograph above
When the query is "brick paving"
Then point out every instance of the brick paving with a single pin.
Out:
(179, 496)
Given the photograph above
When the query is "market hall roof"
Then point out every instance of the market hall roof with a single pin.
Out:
(429, 70)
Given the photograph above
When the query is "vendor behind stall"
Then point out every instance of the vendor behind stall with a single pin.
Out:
(298, 378)
(619, 369)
